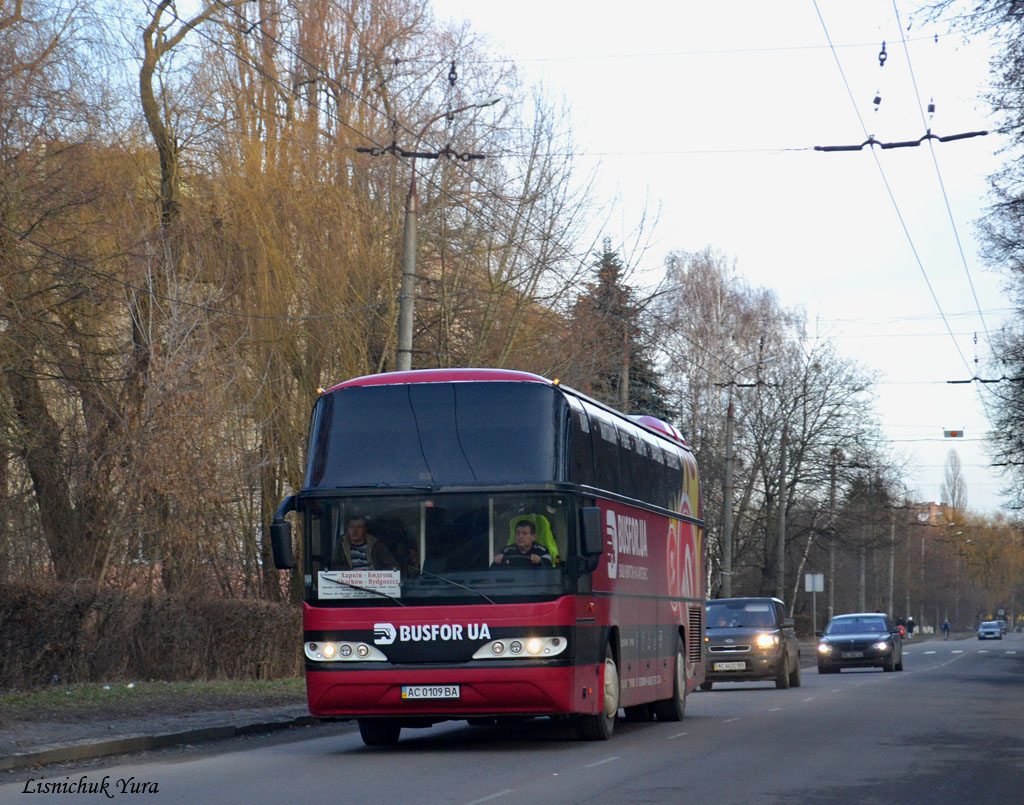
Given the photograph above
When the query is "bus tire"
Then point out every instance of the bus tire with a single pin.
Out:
(600, 727)
(675, 708)
(379, 731)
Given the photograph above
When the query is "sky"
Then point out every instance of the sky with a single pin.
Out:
(709, 112)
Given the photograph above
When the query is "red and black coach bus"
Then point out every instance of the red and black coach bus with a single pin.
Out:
(439, 467)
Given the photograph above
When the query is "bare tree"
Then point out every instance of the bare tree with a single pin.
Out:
(954, 487)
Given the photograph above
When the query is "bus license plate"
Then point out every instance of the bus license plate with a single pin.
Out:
(730, 666)
(430, 692)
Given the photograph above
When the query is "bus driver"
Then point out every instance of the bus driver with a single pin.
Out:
(360, 550)
(525, 552)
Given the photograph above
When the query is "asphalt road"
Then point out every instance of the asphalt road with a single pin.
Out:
(950, 728)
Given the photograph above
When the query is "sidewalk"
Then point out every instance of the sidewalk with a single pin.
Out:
(32, 743)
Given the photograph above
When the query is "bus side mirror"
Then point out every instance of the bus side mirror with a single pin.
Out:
(281, 535)
(591, 534)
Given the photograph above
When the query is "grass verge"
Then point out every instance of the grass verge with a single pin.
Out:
(147, 698)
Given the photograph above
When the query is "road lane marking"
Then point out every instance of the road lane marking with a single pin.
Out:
(774, 709)
(602, 762)
(930, 652)
(677, 735)
(983, 651)
(1011, 651)
(958, 651)
(491, 796)
(731, 719)
(809, 699)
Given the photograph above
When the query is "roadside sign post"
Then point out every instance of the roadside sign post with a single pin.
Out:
(814, 583)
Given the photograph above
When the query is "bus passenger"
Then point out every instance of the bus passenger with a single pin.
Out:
(525, 552)
(359, 550)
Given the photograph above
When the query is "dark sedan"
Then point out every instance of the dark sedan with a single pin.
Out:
(859, 640)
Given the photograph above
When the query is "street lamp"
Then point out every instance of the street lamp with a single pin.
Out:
(408, 287)
(727, 485)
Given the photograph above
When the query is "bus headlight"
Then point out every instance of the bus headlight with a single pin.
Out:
(535, 647)
(343, 651)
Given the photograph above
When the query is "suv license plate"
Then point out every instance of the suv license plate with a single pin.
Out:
(430, 692)
(730, 666)
(852, 655)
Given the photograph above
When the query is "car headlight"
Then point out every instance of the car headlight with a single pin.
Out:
(881, 645)
(824, 648)
(765, 640)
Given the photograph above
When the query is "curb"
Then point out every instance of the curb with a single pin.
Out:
(142, 743)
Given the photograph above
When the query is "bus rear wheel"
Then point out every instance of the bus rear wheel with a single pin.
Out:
(675, 708)
(599, 727)
(379, 731)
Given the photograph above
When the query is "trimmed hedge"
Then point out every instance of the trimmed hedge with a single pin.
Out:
(79, 636)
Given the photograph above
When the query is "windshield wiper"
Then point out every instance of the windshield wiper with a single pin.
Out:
(486, 597)
(364, 589)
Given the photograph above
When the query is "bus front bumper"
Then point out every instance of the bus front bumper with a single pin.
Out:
(454, 693)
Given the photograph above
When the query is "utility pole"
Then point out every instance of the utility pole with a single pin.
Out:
(892, 562)
(407, 292)
(727, 504)
(624, 368)
(780, 557)
(837, 456)
(727, 481)
(861, 563)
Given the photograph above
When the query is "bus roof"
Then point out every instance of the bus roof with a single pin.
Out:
(442, 376)
(506, 375)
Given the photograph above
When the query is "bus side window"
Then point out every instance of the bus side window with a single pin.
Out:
(581, 448)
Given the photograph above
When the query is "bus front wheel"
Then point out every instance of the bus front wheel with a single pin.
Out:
(379, 731)
(599, 727)
(673, 709)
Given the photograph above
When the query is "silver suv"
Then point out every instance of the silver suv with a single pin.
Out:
(750, 639)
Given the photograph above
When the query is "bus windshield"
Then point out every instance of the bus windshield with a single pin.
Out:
(367, 550)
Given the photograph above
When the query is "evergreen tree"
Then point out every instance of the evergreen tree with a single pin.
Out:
(613, 342)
